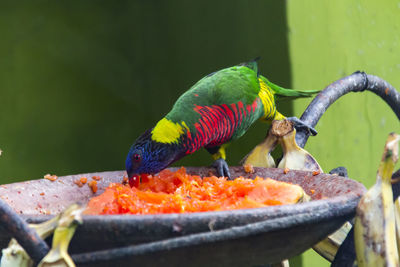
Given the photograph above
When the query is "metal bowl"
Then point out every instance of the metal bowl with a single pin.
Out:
(245, 237)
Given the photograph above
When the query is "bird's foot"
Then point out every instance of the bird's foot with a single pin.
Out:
(222, 168)
(341, 171)
(301, 124)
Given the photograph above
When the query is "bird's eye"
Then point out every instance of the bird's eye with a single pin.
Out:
(137, 157)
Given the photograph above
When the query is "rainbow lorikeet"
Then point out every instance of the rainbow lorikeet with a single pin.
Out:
(216, 110)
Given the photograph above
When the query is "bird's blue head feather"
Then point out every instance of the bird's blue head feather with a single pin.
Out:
(148, 156)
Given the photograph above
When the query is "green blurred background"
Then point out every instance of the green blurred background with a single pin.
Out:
(80, 80)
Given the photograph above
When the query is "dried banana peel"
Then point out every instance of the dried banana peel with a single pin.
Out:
(15, 256)
(294, 157)
(397, 219)
(45, 229)
(58, 255)
(260, 156)
(374, 228)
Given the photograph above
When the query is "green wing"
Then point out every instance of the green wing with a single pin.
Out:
(226, 86)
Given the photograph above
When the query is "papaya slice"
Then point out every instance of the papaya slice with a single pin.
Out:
(179, 192)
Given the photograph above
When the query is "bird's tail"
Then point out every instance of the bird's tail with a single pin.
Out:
(283, 92)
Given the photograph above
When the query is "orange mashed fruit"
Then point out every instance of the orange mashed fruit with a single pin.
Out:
(179, 192)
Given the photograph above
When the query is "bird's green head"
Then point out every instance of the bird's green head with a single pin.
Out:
(147, 156)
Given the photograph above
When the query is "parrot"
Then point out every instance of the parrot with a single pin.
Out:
(215, 111)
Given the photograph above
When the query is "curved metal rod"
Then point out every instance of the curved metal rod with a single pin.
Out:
(20, 230)
(357, 82)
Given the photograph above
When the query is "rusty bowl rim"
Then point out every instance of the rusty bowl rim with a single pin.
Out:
(277, 211)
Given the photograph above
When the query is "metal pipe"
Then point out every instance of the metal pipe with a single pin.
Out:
(357, 82)
(20, 230)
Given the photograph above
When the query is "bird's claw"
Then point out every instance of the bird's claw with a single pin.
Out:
(222, 168)
(341, 171)
(301, 124)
